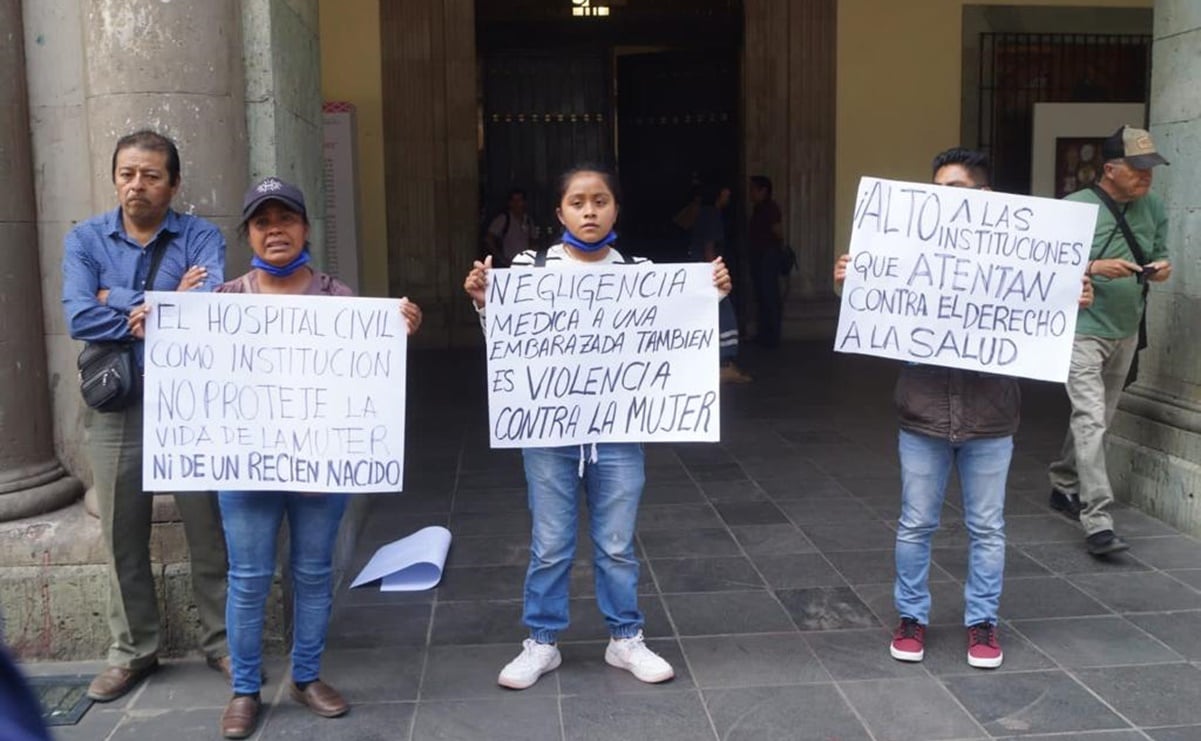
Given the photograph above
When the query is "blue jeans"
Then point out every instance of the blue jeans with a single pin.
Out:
(252, 520)
(613, 483)
(983, 466)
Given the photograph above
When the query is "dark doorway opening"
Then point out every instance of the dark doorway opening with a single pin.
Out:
(651, 89)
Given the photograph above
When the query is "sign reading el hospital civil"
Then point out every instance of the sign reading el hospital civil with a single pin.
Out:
(610, 353)
(964, 278)
(270, 392)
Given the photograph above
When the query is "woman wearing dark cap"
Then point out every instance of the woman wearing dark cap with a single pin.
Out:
(276, 225)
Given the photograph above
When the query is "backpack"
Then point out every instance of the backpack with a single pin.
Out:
(498, 258)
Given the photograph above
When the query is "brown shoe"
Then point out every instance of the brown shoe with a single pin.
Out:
(733, 374)
(225, 665)
(320, 698)
(115, 681)
(241, 716)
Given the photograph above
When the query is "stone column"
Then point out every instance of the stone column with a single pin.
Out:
(175, 68)
(1155, 449)
(32, 480)
(99, 69)
(282, 52)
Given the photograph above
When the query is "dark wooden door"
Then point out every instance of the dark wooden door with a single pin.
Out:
(677, 125)
(543, 113)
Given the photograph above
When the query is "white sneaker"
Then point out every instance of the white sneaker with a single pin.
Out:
(632, 655)
(534, 660)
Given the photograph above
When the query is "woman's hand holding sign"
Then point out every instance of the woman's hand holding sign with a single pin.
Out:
(721, 277)
(193, 278)
(412, 315)
(137, 320)
(477, 280)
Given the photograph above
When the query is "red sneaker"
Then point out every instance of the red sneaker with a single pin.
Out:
(983, 649)
(909, 641)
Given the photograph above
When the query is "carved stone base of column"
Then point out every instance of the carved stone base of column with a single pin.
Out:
(32, 490)
(1153, 455)
(164, 507)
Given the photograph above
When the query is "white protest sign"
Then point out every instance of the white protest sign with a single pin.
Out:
(604, 353)
(269, 392)
(964, 278)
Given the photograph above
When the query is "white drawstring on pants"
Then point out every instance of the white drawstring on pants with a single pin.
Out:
(592, 458)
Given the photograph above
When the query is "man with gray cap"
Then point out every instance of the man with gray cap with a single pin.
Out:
(1128, 251)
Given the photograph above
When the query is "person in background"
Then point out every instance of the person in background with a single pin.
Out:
(1108, 332)
(275, 223)
(707, 244)
(106, 266)
(511, 232)
(613, 473)
(765, 243)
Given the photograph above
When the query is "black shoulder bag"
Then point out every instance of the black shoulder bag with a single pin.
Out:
(788, 260)
(1119, 217)
(108, 371)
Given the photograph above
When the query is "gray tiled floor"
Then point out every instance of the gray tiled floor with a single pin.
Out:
(766, 582)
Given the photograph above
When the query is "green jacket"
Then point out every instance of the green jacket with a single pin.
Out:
(1118, 303)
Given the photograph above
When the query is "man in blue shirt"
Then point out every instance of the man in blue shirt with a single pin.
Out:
(105, 268)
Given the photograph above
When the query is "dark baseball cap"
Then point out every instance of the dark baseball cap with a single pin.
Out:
(272, 189)
(1133, 145)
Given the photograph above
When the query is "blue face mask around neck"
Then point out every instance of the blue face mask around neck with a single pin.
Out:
(283, 271)
(581, 245)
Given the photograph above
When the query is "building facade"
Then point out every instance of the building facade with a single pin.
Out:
(812, 93)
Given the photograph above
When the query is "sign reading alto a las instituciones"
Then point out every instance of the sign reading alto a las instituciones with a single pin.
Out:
(964, 278)
(606, 353)
(268, 392)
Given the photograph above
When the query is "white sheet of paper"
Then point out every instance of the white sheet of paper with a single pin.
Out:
(411, 564)
(269, 392)
(609, 353)
(965, 278)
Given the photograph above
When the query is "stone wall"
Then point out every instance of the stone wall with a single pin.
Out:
(1155, 449)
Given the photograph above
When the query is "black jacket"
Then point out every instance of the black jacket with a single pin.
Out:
(957, 405)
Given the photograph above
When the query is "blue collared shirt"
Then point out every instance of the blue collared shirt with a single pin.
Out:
(99, 254)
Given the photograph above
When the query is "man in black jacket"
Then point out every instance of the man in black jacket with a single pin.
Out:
(966, 420)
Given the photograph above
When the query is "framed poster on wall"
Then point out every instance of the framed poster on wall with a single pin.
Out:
(1077, 162)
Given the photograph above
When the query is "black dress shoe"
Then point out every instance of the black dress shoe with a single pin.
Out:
(1106, 542)
(1068, 505)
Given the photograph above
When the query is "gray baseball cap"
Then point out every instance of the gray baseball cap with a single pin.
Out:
(1133, 145)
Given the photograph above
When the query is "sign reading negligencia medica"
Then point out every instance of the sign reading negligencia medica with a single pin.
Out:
(607, 353)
